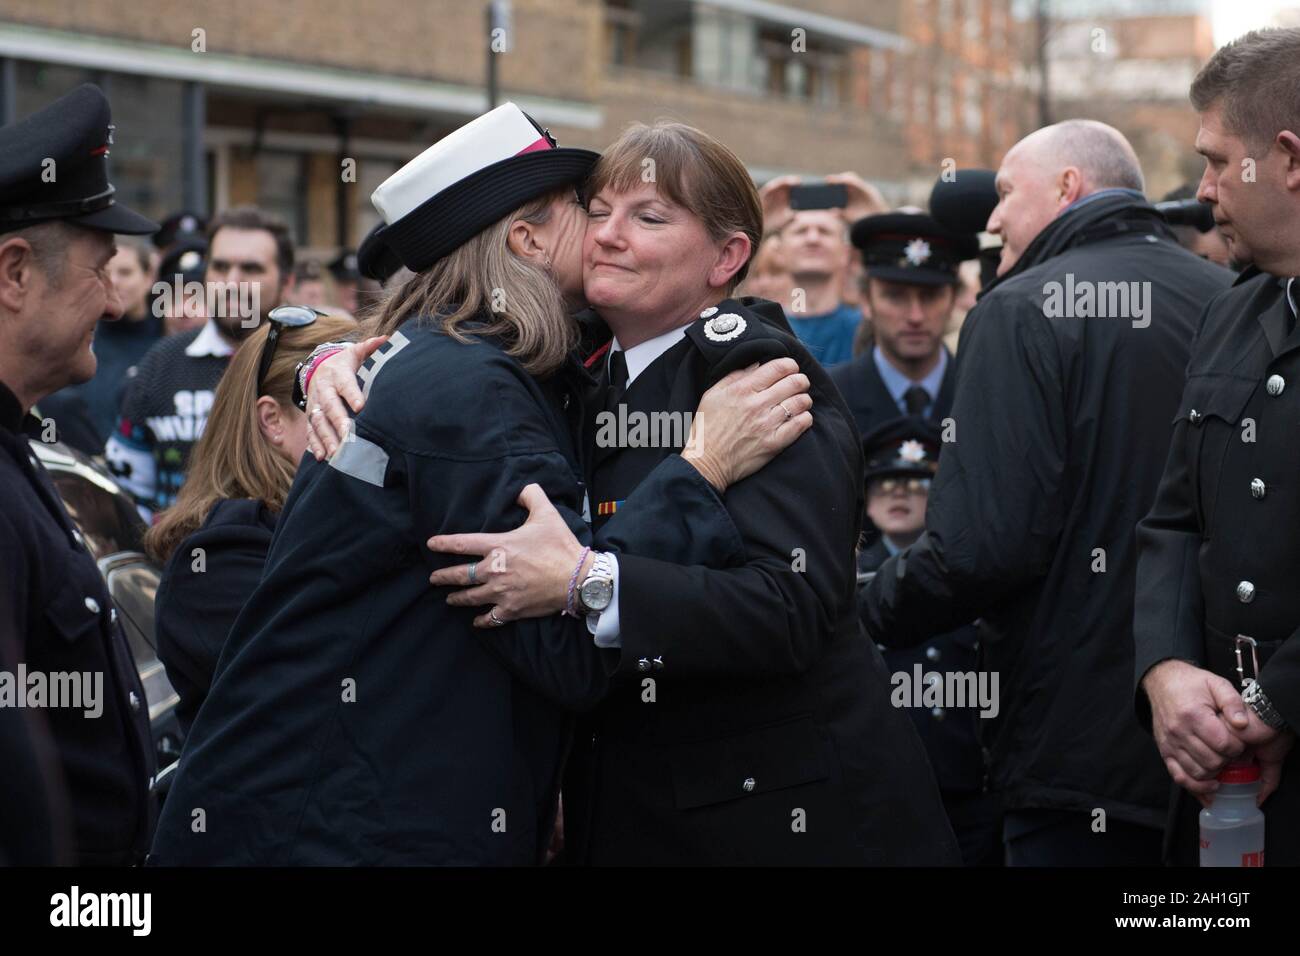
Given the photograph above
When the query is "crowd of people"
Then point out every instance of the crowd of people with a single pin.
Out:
(429, 596)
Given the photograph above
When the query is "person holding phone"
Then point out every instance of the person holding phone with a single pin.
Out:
(812, 220)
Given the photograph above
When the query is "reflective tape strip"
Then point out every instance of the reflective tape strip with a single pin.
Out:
(362, 459)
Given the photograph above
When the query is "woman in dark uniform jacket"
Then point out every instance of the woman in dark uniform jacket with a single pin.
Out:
(213, 540)
(356, 717)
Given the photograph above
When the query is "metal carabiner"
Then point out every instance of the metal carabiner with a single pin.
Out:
(1254, 659)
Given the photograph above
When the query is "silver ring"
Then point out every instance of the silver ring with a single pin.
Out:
(496, 621)
(788, 416)
(315, 410)
(473, 565)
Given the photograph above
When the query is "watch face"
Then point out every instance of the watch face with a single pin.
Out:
(597, 594)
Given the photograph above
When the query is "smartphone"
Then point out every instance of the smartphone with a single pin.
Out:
(819, 196)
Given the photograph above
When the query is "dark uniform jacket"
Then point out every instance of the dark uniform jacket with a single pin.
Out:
(869, 400)
(949, 734)
(1218, 555)
(54, 601)
(1062, 424)
(748, 720)
(201, 594)
(356, 717)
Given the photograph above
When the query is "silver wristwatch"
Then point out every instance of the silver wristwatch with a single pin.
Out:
(597, 588)
(1258, 701)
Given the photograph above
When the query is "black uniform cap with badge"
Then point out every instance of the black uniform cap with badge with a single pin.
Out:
(54, 167)
(905, 448)
(912, 248)
(180, 226)
(343, 267)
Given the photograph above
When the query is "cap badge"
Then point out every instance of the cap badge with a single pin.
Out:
(724, 328)
(911, 450)
(917, 251)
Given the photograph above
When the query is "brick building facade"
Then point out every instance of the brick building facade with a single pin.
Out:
(305, 106)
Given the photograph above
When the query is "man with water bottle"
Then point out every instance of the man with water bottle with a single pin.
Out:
(1217, 619)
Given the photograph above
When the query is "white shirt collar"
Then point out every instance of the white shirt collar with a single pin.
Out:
(1291, 299)
(640, 357)
(209, 343)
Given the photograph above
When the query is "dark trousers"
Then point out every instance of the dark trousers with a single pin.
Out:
(976, 819)
(1066, 838)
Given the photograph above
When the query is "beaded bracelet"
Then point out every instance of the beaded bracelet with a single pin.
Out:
(570, 606)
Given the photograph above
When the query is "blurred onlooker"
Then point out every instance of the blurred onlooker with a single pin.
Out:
(249, 265)
(85, 414)
(853, 288)
(1208, 245)
(769, 277)
(347, 277)
(968, 290)
(183, 265)
(310, 287)
(238, 479)
(816, 251)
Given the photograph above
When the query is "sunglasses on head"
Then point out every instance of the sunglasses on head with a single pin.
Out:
(283, 317)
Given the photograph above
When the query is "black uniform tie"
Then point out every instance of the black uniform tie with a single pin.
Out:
(916, 399)
(617, 384)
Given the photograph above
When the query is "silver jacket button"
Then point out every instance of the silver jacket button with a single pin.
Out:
(134, 699)
(1245, 592)
(1257, 487)
(1275, 384)
(1194, 417)
(748, 785)
(643, 664)
(658, 663)
(92, 605)
(936, 713)
(932, 653)
(112, 615)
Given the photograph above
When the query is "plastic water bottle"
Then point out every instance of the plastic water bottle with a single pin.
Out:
(1232, 827)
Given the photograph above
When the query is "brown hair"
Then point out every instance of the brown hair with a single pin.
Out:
(1255, 80)
(252, 217)
(693, 170)
(483, 280)
(232, 459)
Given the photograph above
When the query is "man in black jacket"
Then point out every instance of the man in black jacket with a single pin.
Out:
(56, 239)
(1218, 611)
(1071, 366)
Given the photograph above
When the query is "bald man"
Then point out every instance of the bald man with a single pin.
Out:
(1068, 379)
